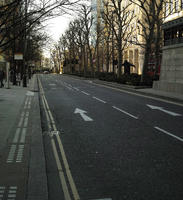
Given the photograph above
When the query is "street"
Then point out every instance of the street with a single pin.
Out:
(105, 144)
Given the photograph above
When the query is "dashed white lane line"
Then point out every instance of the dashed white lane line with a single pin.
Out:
(85, 93)
(125, 112)
(168, 133)
(68, 87)
(76, 88)
(102, 101)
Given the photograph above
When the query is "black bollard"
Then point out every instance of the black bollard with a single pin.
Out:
(24, 81)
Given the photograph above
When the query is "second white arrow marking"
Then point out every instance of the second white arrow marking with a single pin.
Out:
(83, 114)
(163, 110)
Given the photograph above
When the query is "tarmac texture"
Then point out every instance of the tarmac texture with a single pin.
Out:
(22, 159)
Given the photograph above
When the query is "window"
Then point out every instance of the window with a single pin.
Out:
(171, 6)
(176, 5)
(167, 9)
(181, 4)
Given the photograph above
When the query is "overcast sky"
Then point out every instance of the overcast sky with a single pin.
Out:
(57, 26)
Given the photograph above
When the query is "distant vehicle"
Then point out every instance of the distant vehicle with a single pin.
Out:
(46, 72)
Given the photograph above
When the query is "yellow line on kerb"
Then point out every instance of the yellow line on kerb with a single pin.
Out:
(65, 162)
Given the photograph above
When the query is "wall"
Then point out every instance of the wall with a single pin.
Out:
(171, 75)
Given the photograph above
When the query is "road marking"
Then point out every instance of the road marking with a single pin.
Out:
(22, 114)
(83, 114)
(68, 87)
(22, 139)
(168, 133)
(51, 124)
(15, 140)
(60, 170)
(29, 104)
(20, 153)
(11, 153)
(2, 191)
(9, 194)
(30, 93)
(140, 95)
(25, 121)
(99, 99)
(163, 110)
(102, 199)
(52, 84)
(125, 112)
(76, 88)
(27, 114)
(21, 121)
(85, 93)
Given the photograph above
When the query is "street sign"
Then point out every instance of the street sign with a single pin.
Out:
(18, 56)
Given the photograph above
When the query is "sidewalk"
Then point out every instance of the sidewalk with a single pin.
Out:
(178, 98)
(22, 161)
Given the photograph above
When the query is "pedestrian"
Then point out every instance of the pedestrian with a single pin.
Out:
(2, 74)
(18, 78)
(127, 66)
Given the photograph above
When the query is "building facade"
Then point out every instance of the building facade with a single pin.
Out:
(171, 75)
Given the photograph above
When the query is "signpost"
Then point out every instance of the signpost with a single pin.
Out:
(7, 75)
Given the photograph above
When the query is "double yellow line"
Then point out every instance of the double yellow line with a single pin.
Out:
(52, 127)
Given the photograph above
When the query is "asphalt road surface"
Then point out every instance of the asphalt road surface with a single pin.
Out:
(105, 144)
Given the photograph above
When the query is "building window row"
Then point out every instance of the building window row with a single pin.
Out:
(173, 6)
(173, 35)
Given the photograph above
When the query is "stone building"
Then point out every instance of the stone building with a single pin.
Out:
(171, 75)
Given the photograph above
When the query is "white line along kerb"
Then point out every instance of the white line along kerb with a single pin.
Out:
(59, 166)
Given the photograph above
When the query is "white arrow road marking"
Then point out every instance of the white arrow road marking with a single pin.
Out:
(163, 110)
(170, 134)
(83, 115)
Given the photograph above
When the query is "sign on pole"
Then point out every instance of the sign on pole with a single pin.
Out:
(18, 56)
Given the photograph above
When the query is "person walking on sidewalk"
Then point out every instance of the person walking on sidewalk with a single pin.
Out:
(127, 66)
(1, 78)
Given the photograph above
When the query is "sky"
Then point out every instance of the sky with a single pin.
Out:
(57, 26)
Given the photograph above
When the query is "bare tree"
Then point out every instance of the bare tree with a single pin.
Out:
(87, 20)
(38, 11)
(119, 17)
(150, 24)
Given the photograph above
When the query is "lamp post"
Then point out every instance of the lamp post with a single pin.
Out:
(7, 75)
(25, 48)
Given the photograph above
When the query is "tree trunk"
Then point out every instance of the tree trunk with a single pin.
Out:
(120, 58)
(107, 56)
(84, 61)
(157, 48)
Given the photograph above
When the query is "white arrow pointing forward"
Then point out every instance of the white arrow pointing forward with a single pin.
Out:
(163, 110)
(83, 115)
